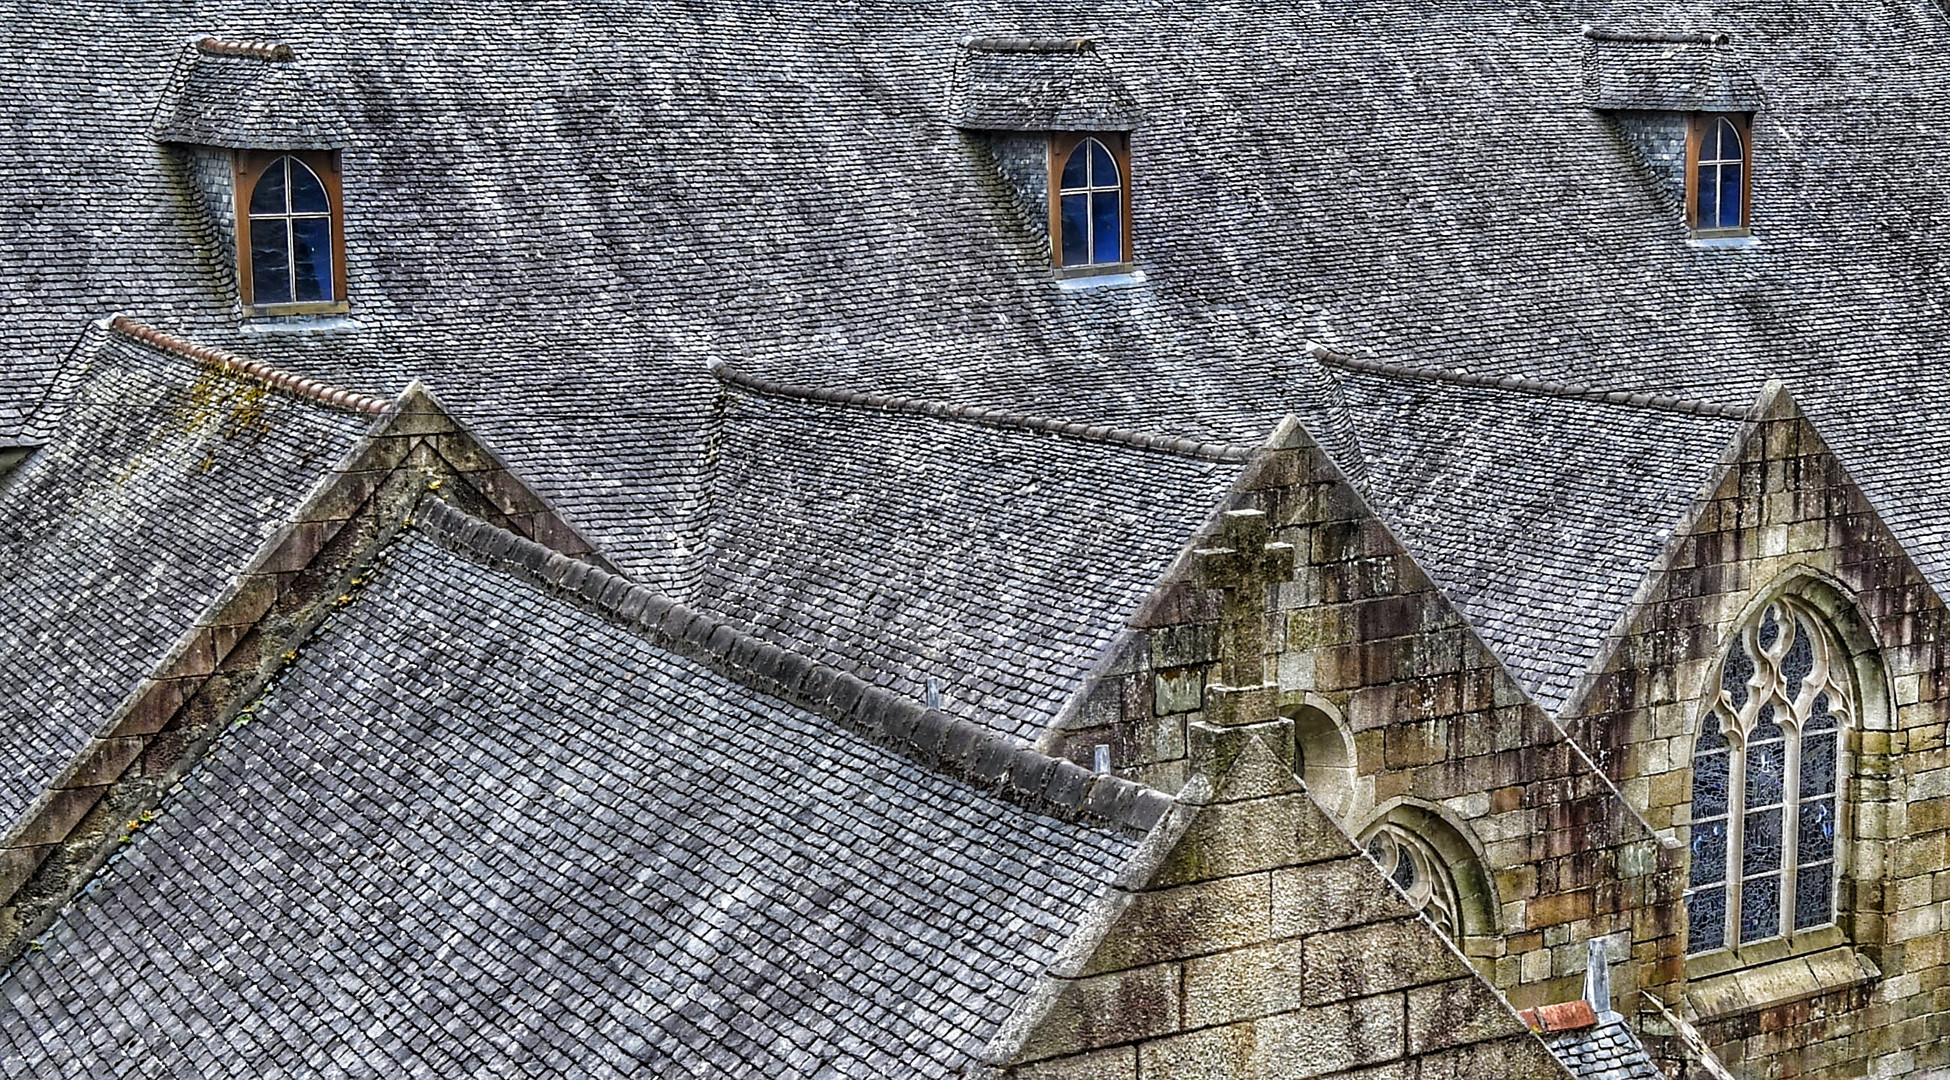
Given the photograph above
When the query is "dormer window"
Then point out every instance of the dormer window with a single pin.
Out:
(1091, 197)
(1719, 156)
(290, 246)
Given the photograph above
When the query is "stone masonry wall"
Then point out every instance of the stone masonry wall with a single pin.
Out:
(1786, 516)
(1349, 628)
(1263, 945)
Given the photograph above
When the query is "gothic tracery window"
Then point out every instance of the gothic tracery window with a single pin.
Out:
(1419, 871)
(1766, 773)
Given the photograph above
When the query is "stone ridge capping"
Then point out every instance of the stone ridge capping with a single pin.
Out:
(245, 50)
(1655, 37)
(932, 738)
(1044, 46)
(1000, 418)
(276, 378)
(1541, 387)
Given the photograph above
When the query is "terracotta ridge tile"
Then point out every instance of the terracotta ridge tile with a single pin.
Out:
(1028, 44)
(273, 377)
(245, 50)
(931, 738)
(999, 418)
(1541, 387)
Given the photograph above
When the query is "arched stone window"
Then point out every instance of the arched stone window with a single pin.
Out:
(1767, 773)
(1436, 868)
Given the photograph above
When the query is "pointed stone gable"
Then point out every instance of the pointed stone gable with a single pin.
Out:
(1264, 945)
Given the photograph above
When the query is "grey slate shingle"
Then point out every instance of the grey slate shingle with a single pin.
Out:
(475, 831)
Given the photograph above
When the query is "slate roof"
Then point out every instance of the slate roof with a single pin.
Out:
(906, 547)
(1685, 72)
(158, 486)
(617, 200)
(1038, 84)
(247, 95)
(1605, 1051)
(477, 830)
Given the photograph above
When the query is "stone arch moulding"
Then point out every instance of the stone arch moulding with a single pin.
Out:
(1835, 603)
(1323, 754)
(1463, 906)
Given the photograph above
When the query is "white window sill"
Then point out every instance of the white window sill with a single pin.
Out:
(1100, 281)
(299, 324)
(1724, 243)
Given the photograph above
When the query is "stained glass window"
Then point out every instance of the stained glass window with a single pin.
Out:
(290, 236)
(1766, 776)
(1091, 207)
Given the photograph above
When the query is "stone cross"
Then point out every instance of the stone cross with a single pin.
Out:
(1244, 571)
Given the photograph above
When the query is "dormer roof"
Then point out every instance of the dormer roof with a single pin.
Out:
(247, 95)
(1037, 84)
(1690, 71)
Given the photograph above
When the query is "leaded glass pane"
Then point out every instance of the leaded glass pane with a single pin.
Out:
(268, 196)
(1817, 764)
(1799, 662)
(1761, 842)
(1821, 715)
(1814, 896)
(1729, 141)
(1760, 908)
(1103, 171)
(1709, 852)
(1706, 919)
(1107, 232)
(270, 263)
(1770, 629)
(1076, 227)
(1737, 673)
(1766, 769)
(1076, 171)
(1817, 835)
(1731, 192)
(1709, 196)
(1710, 737)
(1710, 784)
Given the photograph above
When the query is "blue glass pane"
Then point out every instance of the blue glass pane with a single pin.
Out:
(1728, 139)
(1817, 835)
(1709, 852)
(1817, 764)
(1770, 630)
(1710, 784)
(1076, 229)
(1706, 920)
(1076, 171)
(1710, 737)
(1761, 853)
(307, 194)
(270, 263)
(1709, 196)
(1736, 672)
(1760, 909)
(1814, 897)
(268, 196)
(1103, 170)
(312, 257)
(1766, 774)
(1107, 227)
(1821, 716)
(1799, 661)
(1730, 196)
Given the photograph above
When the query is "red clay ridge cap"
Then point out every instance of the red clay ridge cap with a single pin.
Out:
(275, 378)
(245, 50)
(1567, 1016)
(999, 418)
(1540, 387)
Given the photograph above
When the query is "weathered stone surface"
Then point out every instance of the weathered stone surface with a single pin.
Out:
(1374, 958)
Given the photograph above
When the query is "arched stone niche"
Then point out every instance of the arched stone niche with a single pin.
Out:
(1323, 756)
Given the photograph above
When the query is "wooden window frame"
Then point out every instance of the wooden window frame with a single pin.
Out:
(1702, 124)
(1060, 146)
(247, 167)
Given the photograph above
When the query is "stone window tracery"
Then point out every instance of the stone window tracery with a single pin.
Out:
(1416, 868)
(1766, 777)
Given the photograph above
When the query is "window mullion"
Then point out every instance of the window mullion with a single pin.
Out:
(1736, 835)
(1791, 829)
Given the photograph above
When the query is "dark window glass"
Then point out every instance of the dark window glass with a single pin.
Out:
(1770, 627)
(1076, 230)
(1709, 852)
(1799, 662)
(1817, 838)
(1076, 172)
(1092, 202)
(1817, 764)
(1103, 170)
(1106, 227)
(270, 262)
(1706, 919)
(1710, 784)
(1719, 193)
(307, 194)
(1814, 897)
(1761, 842)
(268, 196)
(1760, 908)
(1735, 674)
(1821, 715)
(311, 253)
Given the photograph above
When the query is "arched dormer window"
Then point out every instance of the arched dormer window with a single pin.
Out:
(1718, 197)
(291, 251)
(1092, 212)
(1767, 773)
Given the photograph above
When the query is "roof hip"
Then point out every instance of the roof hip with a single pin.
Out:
(276, 378)
(929, 737)
(1000, 418)
(245, 50)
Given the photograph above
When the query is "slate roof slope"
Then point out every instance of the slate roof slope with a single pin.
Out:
(905, 548)
(247, 95)
(476, 831)
(159, 483)
(1538, 515)
(1606, 1050)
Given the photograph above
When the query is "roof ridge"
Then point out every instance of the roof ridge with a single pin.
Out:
(1542, 387)
(1003, 44)
(929, 737)
(1658, 37)
(245, 50)
(1001, 418)
(276, 378)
